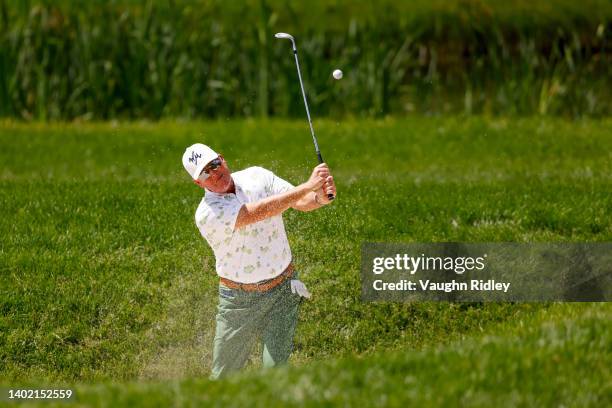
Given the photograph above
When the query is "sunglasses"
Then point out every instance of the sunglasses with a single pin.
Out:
(213, 165)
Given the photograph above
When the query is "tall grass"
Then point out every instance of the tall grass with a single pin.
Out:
(208, 58)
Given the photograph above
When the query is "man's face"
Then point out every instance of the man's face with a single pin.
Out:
(219, 179)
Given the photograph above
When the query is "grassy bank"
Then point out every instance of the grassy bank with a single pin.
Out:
(557, 357)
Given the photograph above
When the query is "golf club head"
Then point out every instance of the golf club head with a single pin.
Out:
(284, 35)
(288, 37)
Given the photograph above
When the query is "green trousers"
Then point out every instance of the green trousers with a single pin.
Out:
(244, 317)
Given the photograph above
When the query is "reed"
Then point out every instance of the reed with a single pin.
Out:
(72, 59)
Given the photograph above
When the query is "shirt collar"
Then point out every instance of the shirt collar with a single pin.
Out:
(213, 194)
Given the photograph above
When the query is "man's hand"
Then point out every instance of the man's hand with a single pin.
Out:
(328, 188)
(323, 183)
(318, 177)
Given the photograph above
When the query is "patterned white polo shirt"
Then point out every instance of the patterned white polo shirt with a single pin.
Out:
(253, 253)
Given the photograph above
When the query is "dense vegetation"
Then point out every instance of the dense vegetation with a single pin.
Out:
(208, 58)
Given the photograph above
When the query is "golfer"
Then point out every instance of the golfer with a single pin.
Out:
(240, 217)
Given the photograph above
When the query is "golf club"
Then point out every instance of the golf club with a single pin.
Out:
(297, 64)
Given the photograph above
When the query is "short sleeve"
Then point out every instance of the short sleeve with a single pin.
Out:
(216, 220)
(275, 184)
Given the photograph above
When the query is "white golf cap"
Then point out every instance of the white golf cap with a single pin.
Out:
(196, 157)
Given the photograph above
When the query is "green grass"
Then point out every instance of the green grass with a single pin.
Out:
(104, 275)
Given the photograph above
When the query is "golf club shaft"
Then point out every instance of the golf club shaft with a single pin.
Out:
(314, 138)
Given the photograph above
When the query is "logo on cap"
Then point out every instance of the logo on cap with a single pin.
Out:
(194, 158)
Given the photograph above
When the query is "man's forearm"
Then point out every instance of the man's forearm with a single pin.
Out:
(307, 203)
(269, 207)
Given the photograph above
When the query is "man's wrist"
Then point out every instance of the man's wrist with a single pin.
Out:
(305, 189)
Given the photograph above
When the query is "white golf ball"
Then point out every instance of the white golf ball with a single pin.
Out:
(337, 74)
